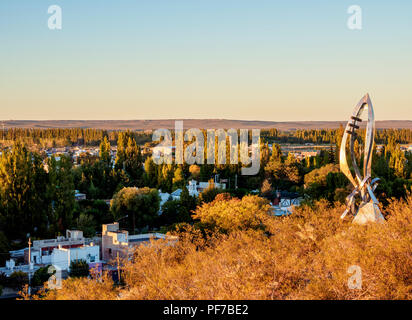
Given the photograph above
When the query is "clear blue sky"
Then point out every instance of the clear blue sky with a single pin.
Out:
(150, 59)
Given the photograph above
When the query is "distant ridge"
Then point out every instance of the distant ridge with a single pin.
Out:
(194, 123)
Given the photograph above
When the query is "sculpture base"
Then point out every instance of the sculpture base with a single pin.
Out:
(369, 212)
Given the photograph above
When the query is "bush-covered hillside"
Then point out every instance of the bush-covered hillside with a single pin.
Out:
(303, 256)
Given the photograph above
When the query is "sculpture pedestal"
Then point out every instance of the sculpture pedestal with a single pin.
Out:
(369, 212)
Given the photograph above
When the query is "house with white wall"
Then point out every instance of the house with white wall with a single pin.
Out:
(42, 249)
(63, 257)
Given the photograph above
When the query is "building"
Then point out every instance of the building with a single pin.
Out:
(283, 203)
(79, 196)
(59, 252)
(196, 188)
(12, 267)
(204, 185)
(114, 241)
(42, 249)
(301, 155)
(118, 243)
(164, 197)
(308, 154)
(63, 257)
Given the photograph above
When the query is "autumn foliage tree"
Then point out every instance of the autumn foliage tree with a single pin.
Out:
(234, 214)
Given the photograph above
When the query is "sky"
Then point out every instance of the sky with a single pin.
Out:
(228, 59)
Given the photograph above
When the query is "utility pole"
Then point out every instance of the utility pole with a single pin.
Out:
(29, 251)
(29, 292)
(118, 266)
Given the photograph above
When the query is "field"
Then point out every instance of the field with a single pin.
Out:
(194, 123)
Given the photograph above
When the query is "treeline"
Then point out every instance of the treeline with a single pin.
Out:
(67, 137)
(327, 136)
(93, 137)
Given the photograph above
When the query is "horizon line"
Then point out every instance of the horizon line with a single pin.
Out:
(188, 119)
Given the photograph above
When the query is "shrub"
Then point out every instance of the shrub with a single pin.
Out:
(40, 276)
(4, 280)
(4, 247)
(95, 288)
(18, 279)
(79, 268)
(231, 214)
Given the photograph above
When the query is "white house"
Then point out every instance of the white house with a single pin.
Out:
(196, 188)
(12, 267)
(164, 197)
(42, 249)
(62, 257)
(285, 207)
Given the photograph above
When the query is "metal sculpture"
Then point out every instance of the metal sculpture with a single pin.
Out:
(367, 209)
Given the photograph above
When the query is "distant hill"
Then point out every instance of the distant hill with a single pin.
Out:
(194, 123)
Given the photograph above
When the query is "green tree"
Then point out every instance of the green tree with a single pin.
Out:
(18, 279)
(188, 202)
(210, 193)
(291, 168)
(398, 162)
(178, 179)
(324, 182)
(165, 177)
(150, 175)
(40, 276)
(4, 248)
(276, 152)
(121, 152)
(133, 163)
(79, 269)
(105, 151)
(61, 192)
(23, 183)
(178, 211)
(140, 205)
(86, 223)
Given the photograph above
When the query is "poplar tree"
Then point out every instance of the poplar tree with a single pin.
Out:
(23, 182)
(61, 192)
